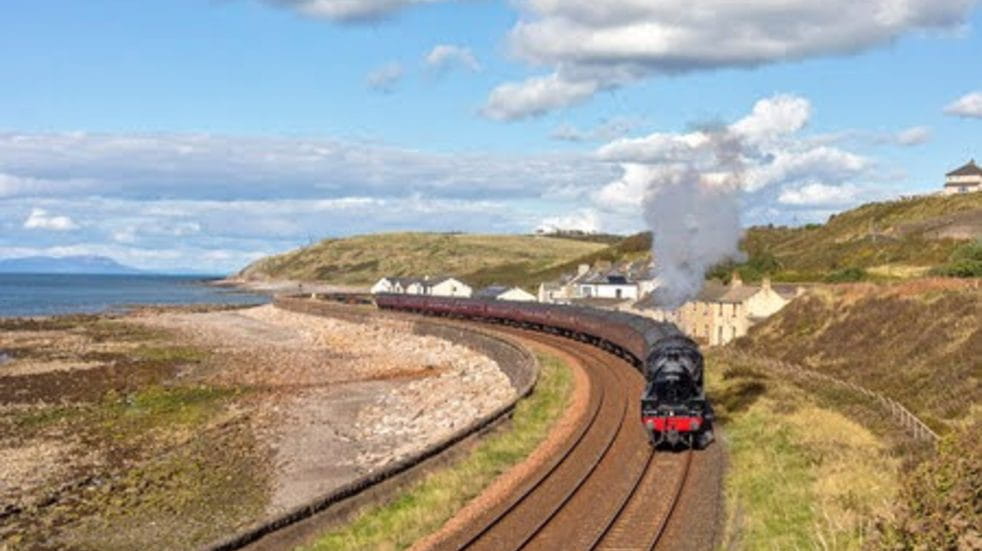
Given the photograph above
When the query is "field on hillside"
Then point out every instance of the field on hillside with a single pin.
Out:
(918, 342)
(362, 260)
(897, 238)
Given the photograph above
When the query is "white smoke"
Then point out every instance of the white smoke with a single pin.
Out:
(690, 185)
(693, 211)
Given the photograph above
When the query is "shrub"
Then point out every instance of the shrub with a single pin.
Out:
(939, 504)
(965, 261)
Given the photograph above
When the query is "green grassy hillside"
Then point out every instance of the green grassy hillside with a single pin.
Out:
(892, 239)
(362, 260)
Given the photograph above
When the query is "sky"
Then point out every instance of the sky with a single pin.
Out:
(203, 134)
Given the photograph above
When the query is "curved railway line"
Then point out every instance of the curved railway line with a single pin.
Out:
(607, 488)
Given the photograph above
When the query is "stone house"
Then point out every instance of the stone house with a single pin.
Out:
(964, 179)
(721, 313)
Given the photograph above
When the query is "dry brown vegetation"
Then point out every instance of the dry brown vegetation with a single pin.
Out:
(918, 342)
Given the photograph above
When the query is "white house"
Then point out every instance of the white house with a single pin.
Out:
(448, 287)
(501, 292)
(440, 287)
(964, 179)
(384, 285)
(613, 286)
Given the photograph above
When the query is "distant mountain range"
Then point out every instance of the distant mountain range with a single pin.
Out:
(65, 265)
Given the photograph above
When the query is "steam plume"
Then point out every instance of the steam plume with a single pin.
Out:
(693, 211)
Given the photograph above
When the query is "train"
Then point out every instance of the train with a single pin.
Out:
(674, 410)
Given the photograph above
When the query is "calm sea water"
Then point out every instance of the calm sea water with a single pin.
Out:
(49, 294)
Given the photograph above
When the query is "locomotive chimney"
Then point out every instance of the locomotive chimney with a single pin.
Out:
(736, 281)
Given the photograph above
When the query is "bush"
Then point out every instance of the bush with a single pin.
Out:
(965, 261)
(939, 504)
(846, 275)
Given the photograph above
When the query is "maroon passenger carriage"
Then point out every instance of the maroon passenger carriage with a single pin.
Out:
(674, 409)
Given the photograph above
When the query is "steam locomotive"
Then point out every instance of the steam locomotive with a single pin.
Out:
(674, 409)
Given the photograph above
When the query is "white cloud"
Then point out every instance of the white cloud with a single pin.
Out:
(40, 219)
(597, 45)
(819, 195)
(444, 56)
(915, 135)
(385, 78)
(769, 157)
(349, 10)
(585, 220)
(968, 106)
(536, 96)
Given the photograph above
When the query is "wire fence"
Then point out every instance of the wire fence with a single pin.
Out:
(900, 414)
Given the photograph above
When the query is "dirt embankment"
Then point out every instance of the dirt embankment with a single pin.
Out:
(170, 430)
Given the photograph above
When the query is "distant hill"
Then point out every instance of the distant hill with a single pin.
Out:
(64, 265)
(362, 260)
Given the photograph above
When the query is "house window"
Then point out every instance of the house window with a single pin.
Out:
(721, 310)
(719, 335)
(732, 332)
(619, 292)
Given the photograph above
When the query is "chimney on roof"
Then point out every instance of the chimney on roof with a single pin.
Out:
(765, 283)
(736, 281)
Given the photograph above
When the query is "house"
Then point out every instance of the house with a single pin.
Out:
(611, 285)
(501, 292)
(447, 287)
(721, 313)
(964, 179)
(624, 281)
(440, 287)
(384, 285)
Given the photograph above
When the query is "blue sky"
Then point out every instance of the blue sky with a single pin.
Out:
(206, 133)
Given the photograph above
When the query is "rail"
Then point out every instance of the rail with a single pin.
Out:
(903, 416)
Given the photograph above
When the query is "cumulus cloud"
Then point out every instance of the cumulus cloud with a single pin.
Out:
(536, 96)
(597, 45)
(385, 78)
(967, 106)
(40, 219)
(352, 11)
(446, 56)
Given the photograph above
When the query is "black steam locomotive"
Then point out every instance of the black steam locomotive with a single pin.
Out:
(674, 409)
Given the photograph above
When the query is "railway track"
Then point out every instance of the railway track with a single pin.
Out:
(607, 489)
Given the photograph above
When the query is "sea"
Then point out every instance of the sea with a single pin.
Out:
(54, 294)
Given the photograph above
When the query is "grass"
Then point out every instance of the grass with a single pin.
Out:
(423, 508)
(362, 260)
(801, 475)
